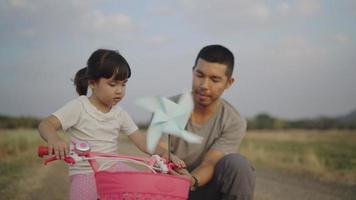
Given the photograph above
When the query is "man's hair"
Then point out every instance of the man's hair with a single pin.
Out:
(217, 54)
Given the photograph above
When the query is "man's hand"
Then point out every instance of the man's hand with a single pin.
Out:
(185, 173)
(204, 172)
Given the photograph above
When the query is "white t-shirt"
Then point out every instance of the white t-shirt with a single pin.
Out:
(83, 121)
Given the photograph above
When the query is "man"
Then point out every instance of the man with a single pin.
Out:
(215, 169)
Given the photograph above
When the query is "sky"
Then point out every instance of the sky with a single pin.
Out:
(294, 59)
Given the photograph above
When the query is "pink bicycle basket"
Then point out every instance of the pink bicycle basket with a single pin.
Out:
(140, 186)
(126, 185)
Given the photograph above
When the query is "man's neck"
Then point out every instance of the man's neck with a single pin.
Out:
(201, 114)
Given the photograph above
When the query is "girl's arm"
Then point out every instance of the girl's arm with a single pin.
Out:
(48, 130)
(139, 139)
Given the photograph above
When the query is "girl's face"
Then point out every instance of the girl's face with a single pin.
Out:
(107, 92)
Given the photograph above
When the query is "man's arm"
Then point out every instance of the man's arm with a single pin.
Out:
(205, 171)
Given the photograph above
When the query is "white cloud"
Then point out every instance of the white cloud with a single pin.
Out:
(300, 8)
(163, 9)
(40, 19)
(342, 38)
(293, 52)
(102, 22)
(29, 32)
(308, 7)
(260, 11)
(19, 3)
(49, 20)
(226, 17)
(283, 8)
(157, 40)
(236, 16)
(222, 10)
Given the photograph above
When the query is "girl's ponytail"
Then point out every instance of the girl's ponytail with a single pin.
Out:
(81, 81)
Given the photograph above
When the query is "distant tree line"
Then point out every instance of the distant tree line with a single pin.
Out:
(9, 122)
(265, 121)
(260, 121)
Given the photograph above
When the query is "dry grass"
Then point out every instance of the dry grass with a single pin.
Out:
(21, 171)
(329, 155)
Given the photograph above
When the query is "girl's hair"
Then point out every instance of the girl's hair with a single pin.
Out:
(102, 63)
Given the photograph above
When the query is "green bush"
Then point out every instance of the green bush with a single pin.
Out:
(9, 122)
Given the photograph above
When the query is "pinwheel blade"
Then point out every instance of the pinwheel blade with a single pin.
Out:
(190, 137)
(181, 120)
(185, 109)
(154, 134)
(170, 127)
(159, 117)
(187, 100)
(151, 103)
(169, 106)
(173, 129)
(168, 118)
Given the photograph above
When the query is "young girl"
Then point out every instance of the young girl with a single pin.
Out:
(93, 119)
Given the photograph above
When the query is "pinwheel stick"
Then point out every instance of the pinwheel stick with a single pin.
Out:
(169, 147)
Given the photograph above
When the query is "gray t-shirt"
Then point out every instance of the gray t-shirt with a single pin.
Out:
(223, 131)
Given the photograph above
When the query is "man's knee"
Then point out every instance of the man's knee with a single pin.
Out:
(236, 176)
(234, 163)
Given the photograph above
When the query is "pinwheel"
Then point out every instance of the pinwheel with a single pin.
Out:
(168, 118)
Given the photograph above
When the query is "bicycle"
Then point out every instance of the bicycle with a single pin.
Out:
(154, 184)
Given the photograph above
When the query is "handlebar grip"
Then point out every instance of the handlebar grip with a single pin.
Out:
(50, 160)
(42, 151)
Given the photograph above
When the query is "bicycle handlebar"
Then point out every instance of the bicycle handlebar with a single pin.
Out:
(76, 155)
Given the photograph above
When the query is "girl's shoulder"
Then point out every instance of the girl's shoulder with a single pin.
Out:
(118, 111)
(83, 103)
(82, 99)
(121, 113)
(74, 103)
(80, 102)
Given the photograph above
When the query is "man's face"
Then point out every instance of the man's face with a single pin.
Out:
(209, 82)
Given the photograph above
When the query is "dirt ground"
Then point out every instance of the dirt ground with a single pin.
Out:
(270, 185)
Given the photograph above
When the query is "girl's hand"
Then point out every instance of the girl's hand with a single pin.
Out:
(59, 147)
(174, 159)
(48, 131)
(179, 162)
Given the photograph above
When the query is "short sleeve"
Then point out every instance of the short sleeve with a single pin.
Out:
(69, 114)
(231, 136)
(128, 126)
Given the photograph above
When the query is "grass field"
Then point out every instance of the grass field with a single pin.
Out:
(20, 169)
(327, 155)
